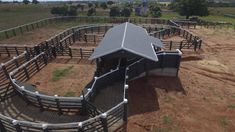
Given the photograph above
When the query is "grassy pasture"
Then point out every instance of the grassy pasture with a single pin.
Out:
(17, 14)
(221, 10)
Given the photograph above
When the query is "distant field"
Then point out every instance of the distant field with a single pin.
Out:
(221, 10)
(219, 19)
(12, 15)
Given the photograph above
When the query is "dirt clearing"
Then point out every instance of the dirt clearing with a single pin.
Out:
(63, 79)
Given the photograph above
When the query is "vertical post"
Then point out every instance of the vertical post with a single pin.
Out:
(200, 44)
(170, 44)
(181, 44)
(16, 62)
(6, 34)
(84, 106)
(21, 31)
(195, 44)
(39, 101)
(44, 127)
(14, 32)
(36, 64)
(125, 114)
(81, 53)
(104, 122)
(17, 52)
(70, 52)
(8, 53)
(80, 127)
(58, 105)
(25, 95)
(5, 70)
(37, 49)
(53, 50)
(27, 28)
(17, 126)
(45, 59)
(2, 127)
(26, 72)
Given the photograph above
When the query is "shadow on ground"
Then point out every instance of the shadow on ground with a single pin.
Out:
(143, 96)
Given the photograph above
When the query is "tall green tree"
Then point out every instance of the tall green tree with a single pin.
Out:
(191, 7)
(103, 5)
(26, 2)
(35, 1)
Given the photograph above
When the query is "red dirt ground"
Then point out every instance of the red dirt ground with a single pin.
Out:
(202, 98)
(33, 37)
(72, 84)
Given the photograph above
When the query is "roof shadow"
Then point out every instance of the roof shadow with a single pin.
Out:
(143, 95)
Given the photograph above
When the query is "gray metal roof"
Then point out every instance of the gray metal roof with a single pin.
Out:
(128, 37)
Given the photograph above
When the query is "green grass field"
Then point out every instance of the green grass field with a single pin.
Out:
(221, 10)
(14, 14)
(17, 14)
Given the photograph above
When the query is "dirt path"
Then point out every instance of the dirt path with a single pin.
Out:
(201, 99)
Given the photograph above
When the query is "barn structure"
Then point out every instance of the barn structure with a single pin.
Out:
(126, 43)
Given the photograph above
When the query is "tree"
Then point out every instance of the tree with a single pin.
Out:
(26, 2)
(72, 11)
(114, 11)
(61, 11)
(91, 12)
(155, 10)
(35, 1)
(96, 4)
(81, 6)
(110, 2)
(90, 5)
(103, 5)
(192, 7)
(126, 12)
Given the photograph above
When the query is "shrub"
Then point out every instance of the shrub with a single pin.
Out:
(110, 2)
(114, 11)
(81, 6)
(35, 1)
(91, 12)
(155, 11)
(103, 5)
(61, 11)
(90, 5)
(126, 12)
(64, 11)
(72, 11)
(26, 2)
(96, 4)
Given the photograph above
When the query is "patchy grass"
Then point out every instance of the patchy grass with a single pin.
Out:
(221, 10)
(224, 122)
(167, 120)
(232, 106)
(70, 94)
(215, 18)
(17, 14)
(59, 73)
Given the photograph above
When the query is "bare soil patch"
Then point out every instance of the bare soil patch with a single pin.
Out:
(33, 37)
(80, 73)
(174, 38)
(202, 98)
